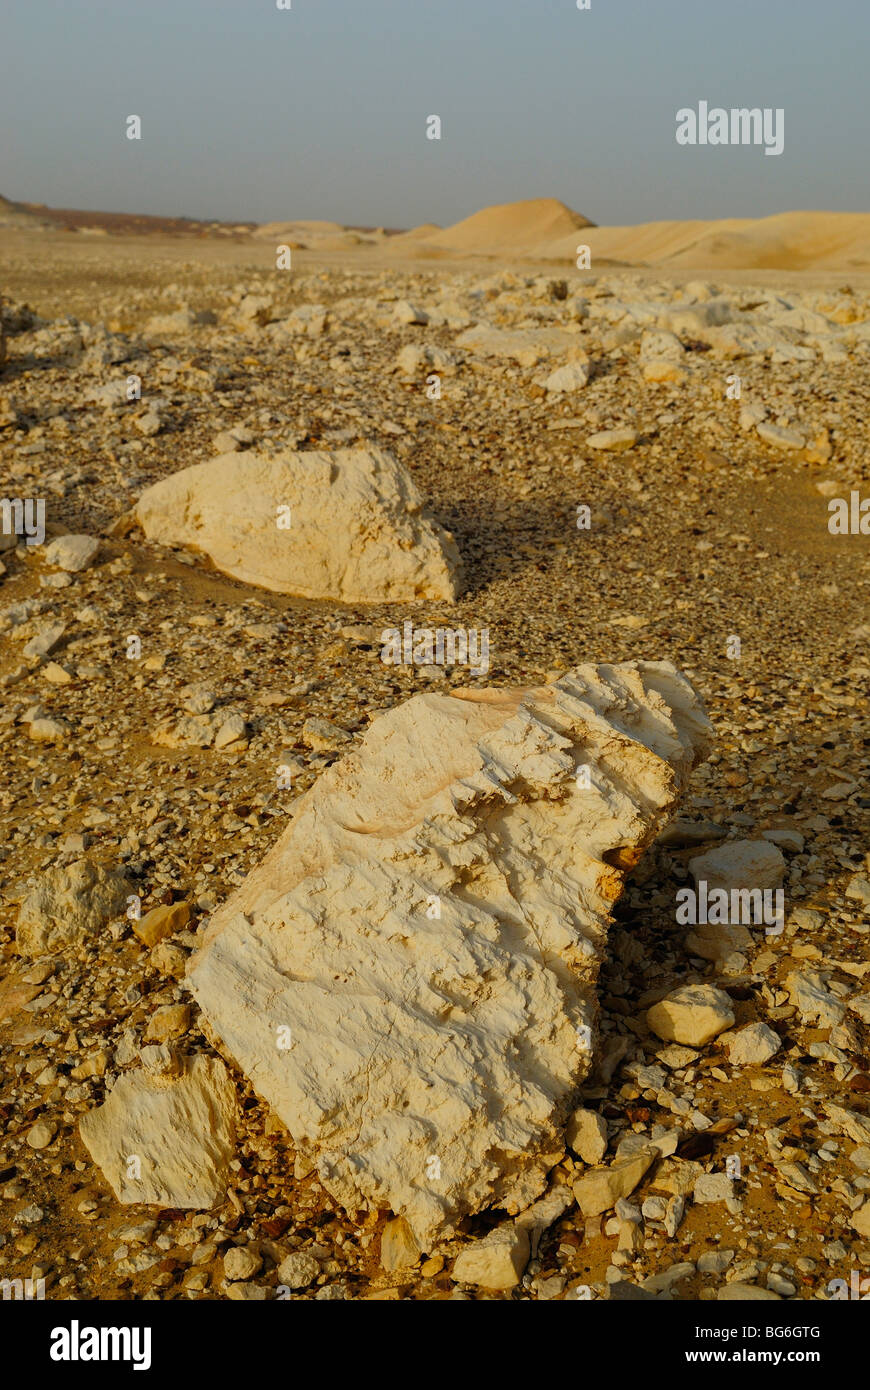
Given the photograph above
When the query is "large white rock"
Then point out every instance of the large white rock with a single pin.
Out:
(356, 528)
(587, 1135)
(753, 1045)
(746, 1293)
(409, 977)
(163, 1140)
(601, 1188)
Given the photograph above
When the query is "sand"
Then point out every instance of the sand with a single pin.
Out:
(544, 229)
(788, 241)
(538, 231)
(508, 229)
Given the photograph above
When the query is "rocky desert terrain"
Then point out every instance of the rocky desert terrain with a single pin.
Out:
(453, 1039)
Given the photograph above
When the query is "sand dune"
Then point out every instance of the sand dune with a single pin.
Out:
(426, 229)
(787, 241)
(545, 229)
(507, 229)
(540, 229)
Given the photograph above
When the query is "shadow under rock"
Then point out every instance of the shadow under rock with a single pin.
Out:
(487, 539)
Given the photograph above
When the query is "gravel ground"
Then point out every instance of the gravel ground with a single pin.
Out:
(706, 529)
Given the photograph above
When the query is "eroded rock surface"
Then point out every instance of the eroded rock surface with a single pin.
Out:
(166, 1140)
(409, 977)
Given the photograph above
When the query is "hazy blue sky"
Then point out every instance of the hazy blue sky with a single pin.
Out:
(255, 113)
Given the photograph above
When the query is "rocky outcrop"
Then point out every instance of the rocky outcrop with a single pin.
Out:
(409, 977)
(348, 525)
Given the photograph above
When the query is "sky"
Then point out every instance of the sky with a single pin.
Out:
(320, 111)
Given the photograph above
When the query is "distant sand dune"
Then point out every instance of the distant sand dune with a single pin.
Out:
(538, 230)
(545, 229)
(426, 229)
(506, 229)
(787, 241)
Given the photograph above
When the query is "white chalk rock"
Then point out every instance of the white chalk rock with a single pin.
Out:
(419, 357)
(694, 318)
(587, 1135)
(527, 346)
(495, 1262)
(661, 347)
(572, 377)
(692, 1015)
(406, 312)
(753, 1045)
(72, 553)
(601, 1188)
(781, 438)
(408, 978)
(164, 1140)
(613, 440)
(740, 864)
(348, 525)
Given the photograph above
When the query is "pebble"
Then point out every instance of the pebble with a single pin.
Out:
(241, 1262)
(298, 1270)
(41, 1134)
(613, 440)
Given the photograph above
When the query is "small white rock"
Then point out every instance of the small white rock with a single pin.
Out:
(780, 438)
(753, 1045)
(241, 1262)
(614, 440)
(495, 1262)
(692, 1014)
(298, 1270)
(72, 553)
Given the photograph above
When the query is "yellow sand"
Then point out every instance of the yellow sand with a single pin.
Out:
(545, 229)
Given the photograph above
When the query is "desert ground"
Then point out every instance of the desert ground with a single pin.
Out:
(636, 462)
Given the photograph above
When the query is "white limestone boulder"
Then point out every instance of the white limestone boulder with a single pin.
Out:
(166, 1140)
(408, 978)
(348, 525)
(495, 1262)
